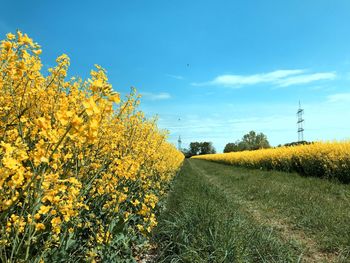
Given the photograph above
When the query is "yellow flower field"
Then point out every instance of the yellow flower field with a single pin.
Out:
(81, 171)
(321, 159)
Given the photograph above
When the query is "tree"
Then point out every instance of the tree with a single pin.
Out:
(206, 148)
(231, 147)
(197, 148)
(297, 143)
(255, 141)
(194, 148)
(250, 141)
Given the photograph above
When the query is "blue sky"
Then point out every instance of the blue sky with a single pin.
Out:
(222, 67)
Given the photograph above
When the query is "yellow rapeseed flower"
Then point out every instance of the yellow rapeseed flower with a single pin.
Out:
(69, 157)
(39, 226)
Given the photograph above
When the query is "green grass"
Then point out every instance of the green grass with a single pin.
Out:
(219, 213)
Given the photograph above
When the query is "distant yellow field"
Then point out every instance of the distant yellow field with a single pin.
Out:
(321, 159)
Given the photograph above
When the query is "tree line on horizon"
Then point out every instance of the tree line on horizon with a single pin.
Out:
(199, 148)
(249, 142)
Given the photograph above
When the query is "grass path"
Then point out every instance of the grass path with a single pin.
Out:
(286, 230)
(219, 213)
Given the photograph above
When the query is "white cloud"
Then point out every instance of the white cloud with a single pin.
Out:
(306, 78)
(225, 123)
(156, 96)
(339, 97)
(281, 78)
(175, 76)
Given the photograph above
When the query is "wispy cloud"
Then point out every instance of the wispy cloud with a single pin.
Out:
(306, 78)
(156, 96)
(179, 77)
(322, 123)
(339, 97)
(281, 78)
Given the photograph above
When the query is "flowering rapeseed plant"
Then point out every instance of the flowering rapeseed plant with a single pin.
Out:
(321, 159)
(81, 171)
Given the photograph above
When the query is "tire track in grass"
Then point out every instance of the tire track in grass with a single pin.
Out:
(201, 224)
(285, 230)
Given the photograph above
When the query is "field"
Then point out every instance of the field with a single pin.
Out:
(220, 213)
(81, 169)
(86, 177)
(319, 159)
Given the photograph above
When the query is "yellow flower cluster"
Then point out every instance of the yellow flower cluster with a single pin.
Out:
(321, 159)
(79, 167)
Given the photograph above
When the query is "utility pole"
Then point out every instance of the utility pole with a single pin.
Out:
(300, 123)
(179, 147)
(179, 143)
